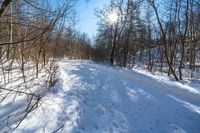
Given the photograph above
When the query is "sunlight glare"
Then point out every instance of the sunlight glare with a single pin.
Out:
(113, 17)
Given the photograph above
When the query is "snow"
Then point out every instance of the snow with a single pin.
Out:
(95, 98)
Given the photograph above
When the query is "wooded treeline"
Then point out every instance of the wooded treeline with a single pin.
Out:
(73, 45)
(33, 36)
(162, 35)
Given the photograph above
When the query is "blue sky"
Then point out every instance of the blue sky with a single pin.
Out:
(87, 19)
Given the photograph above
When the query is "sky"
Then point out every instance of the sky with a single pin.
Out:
(87, 19)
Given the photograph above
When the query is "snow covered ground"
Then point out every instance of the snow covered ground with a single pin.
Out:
(95, 98)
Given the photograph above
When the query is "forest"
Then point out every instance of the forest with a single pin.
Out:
(158, 36)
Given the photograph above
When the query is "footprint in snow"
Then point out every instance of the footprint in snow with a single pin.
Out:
(100, 110)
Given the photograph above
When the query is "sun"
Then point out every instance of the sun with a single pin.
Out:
(112, 17)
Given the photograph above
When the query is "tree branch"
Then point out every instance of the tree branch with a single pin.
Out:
(4, 5)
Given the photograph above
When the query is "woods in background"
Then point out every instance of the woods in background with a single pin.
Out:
(33, 36)
(39, 32)
(73, 45)
(162, 35)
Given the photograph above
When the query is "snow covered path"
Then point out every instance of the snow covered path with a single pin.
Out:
(94, 98)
